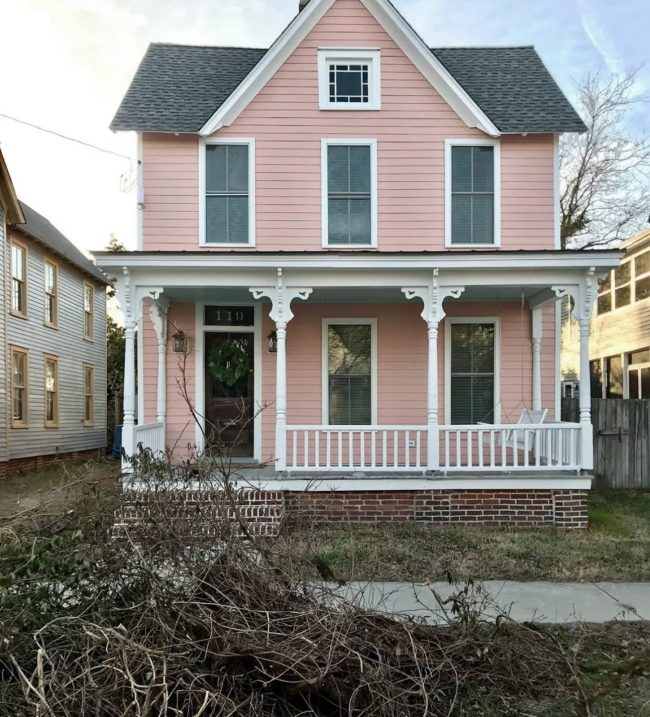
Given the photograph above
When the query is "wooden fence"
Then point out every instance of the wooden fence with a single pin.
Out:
(621, 440)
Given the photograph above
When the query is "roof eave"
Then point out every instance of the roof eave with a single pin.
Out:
(8, 197)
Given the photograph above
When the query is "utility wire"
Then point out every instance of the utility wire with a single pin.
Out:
(65, 136)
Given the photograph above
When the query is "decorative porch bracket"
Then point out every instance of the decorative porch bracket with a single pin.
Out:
(281, 297)
(583, 296)
(432, 298)
(158, 312)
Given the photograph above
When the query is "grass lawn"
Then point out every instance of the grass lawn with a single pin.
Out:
(616, 546)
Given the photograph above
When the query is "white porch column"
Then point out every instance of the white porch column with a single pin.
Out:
(158, 312)
(432, 297)
(537, 357)
(583, 309)
(281, 298)
(126, 294)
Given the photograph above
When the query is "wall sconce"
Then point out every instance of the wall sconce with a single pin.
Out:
(273, 342)
(181, 343)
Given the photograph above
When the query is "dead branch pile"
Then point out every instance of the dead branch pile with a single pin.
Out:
(163, 624)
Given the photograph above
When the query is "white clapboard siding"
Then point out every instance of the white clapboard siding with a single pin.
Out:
(3, 344)
(68, 344)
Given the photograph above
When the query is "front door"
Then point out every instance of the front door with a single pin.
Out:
(229, 404)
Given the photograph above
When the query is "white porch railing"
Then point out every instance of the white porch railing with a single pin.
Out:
(495, 448)
(507, 447)
(150, 435)
(364, 448)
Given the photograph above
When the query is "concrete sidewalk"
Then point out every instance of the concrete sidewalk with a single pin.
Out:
(536, 601)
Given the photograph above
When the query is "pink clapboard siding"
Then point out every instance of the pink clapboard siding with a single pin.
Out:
(410, 129)
(401, 365)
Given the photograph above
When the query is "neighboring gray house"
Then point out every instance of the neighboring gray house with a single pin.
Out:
(53, 340)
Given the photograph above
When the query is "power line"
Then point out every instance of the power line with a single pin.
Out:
(65, 136)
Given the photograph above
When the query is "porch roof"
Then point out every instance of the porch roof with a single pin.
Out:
(455, 259)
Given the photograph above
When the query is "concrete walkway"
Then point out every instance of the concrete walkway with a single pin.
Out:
(536, 601)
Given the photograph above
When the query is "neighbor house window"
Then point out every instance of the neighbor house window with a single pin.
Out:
(614, 377)
(622, 285)
(229, 170)
(89, 311)
(605, 295)
(51, 293)
(642, 276)
(472, 372)
(51, 391)
(19, 388)
(472, 183)
(596, 378)
(89, 394)
(349, 373)
(349, 201)
(639, 373)
(18, 279)
(349, 79)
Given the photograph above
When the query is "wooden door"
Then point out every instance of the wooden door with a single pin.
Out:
(229, 393)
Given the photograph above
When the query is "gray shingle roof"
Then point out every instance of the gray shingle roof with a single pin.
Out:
(513, 87)
(177, 88)
(39, 228)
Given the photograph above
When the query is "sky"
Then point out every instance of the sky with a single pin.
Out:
(67, 63)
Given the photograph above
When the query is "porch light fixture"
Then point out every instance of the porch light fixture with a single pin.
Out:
(181, 343)
(273, 342)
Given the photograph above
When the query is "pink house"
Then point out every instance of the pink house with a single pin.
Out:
(348, 254)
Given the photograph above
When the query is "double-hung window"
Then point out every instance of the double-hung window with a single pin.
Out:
(349, 79)
(349, 371)
(472, 193)
(51, 293)
(51, 392)
(228, 210)
(349, 193)
(19, 388)
(642, 276)
(472, 371)
(89, 394)
(18, 279)
(622, 284)
(89, 311)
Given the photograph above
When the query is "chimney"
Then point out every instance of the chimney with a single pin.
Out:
(302, 4)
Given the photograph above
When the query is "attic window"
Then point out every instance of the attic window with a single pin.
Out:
(349, 79)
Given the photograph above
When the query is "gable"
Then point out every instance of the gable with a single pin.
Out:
(385, 17)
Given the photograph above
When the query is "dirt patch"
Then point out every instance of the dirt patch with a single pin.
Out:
(58, 483)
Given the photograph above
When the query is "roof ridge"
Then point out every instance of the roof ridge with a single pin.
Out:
(483, 47)
(207, 47)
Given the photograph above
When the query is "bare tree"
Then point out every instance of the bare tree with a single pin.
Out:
(605, 172)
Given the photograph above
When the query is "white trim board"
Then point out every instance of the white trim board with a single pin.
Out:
(325, 324)
(449, 144)
(399, 30)
(496, 320)
(325, 143)
(250, 143)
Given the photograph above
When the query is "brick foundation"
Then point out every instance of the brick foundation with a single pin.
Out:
(516, 508)
(33, 462)
(265, 510)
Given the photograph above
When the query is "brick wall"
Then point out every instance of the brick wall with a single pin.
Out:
(520, 508)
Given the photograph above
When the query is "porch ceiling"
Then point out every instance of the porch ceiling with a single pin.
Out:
(350, 295)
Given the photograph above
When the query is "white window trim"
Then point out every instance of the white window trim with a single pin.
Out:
(329, 142)
(496, 320)
(203, 143)
(326, 323)
(480, 142)
(372, 57)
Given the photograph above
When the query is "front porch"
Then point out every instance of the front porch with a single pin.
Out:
(413, 304)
